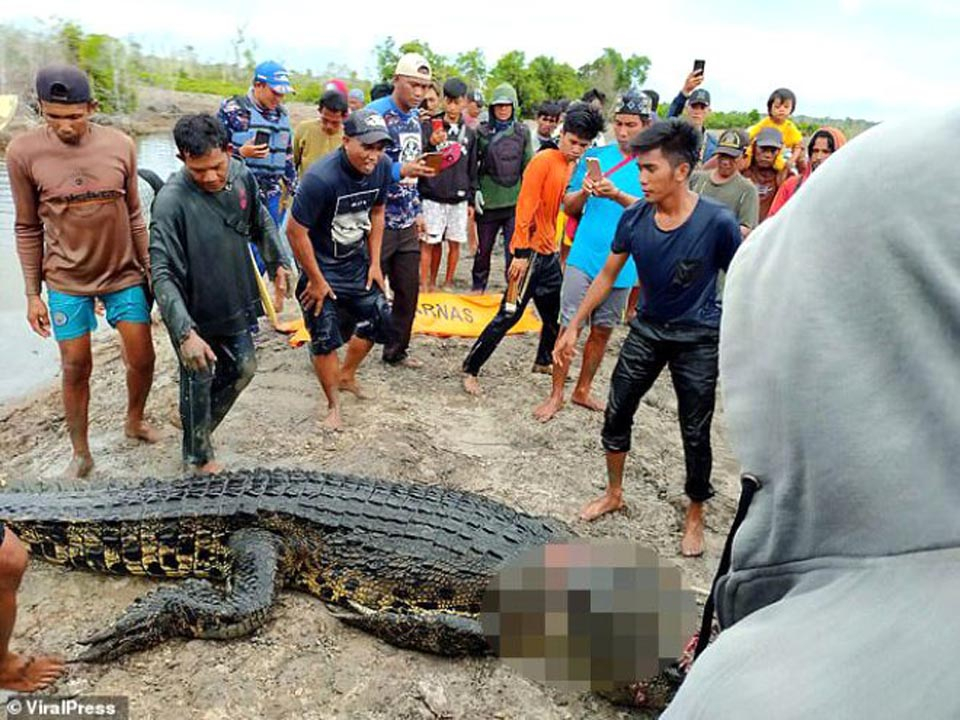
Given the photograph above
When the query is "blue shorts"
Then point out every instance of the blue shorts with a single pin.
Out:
(72, 316)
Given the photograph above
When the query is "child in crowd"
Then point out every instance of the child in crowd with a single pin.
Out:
(780, 106)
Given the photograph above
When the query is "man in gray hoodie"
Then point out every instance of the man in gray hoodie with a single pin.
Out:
(840, 366)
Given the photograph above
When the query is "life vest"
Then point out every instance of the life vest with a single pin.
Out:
(275, 163)
(502, 160)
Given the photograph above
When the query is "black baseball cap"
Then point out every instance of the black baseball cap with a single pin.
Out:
(733, 143)
(367, 126)
(699, 97)
(63, 84)
(769, 137)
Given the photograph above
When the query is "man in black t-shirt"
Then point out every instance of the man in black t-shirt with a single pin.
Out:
(679, 243)
(336, 231)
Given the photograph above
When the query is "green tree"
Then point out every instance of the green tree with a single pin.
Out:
(613, 74)
(555, 80)
(471, 67)
(70, 38)
(386, 58)
(104, 58)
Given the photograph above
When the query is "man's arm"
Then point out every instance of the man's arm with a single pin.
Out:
(168, 267)
(728, 240)
(138, 228)
(378, 221)
(297, 147)
(531, 189)
(749, 210)
(473, 166)
(597, 292)
(265, 234)
(28, 227)
(599, 288)
(291, 178)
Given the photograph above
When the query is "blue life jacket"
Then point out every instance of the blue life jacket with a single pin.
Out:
(275, 163)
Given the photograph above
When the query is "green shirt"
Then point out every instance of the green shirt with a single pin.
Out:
(310, 143)
(737, 193)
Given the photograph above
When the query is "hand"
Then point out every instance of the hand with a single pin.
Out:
(693, 81)
(280, 288)
(314, 294)
(375, 277)
(439, 137)
(249, 150)
(195, 354)
(478, 202)
(416, 169)
(606, 189)
(566, 346)
(37, 316)
(421, 225)
(424, 114)
(518, 266)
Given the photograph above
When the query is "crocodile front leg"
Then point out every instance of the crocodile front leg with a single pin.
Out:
(197, 609)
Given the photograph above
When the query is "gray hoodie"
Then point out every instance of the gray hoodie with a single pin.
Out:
(840, 364)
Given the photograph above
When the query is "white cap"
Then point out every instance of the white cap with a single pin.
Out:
(414, 65)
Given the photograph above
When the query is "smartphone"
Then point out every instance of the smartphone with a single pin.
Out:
(261, 138)
(593, 169)
(698, 66)
(433, 160)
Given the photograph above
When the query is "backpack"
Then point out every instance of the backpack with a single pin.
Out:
(503, 159)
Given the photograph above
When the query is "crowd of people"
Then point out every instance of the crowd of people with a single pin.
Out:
(358, 204)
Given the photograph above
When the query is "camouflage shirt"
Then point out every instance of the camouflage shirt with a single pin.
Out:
(403, 198)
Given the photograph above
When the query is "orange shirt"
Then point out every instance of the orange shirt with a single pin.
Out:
(541, 192)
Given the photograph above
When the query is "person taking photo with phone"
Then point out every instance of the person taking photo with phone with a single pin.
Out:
(260, 137)
(400, 254)
(448, 197)
(693, 103)
(598, 199)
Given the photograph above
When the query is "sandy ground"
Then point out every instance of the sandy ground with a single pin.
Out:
(418, 426)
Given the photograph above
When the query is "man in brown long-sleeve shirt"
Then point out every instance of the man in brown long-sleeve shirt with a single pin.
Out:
(79, 230)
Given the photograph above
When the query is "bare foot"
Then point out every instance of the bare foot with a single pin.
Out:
(408, 362)
(80, 466)
(691, 545)
(548, 408)
(142, 431)
(333, 421)
(209, 468)
(29, 674)
(588, 401)
(351, 386)
(471, 384)
(604, 504)
(542, 369)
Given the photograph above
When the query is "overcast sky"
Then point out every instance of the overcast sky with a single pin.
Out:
(873, 59)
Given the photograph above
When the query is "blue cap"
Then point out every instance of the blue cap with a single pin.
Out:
(275, 75)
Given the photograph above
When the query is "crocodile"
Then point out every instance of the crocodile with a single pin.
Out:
(408, 563)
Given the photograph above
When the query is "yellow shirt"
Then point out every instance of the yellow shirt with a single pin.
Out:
(788, 130)
(310, 143)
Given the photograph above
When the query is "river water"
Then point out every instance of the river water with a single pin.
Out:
(29, 360)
